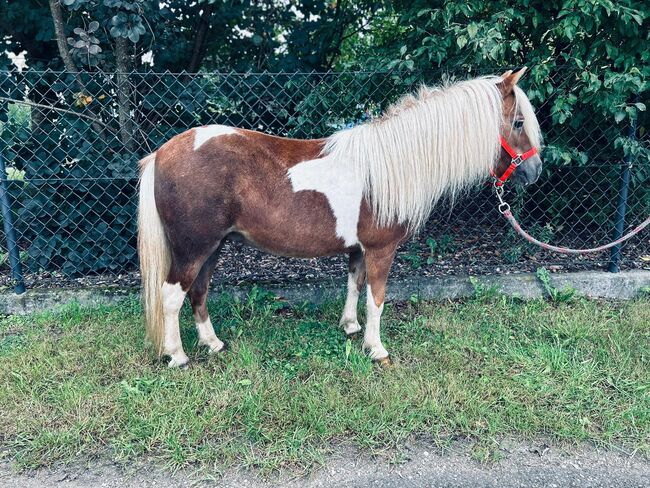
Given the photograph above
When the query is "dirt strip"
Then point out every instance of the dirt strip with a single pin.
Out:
(416, 465)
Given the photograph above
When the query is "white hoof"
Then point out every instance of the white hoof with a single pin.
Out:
(178, 360)
(214, 346)
(351, 327)
(375, 351)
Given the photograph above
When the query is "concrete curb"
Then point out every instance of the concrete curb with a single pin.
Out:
(595, 284)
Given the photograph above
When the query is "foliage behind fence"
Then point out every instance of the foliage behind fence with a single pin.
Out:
(72, 142)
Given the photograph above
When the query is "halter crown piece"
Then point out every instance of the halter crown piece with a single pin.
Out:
(517, 159)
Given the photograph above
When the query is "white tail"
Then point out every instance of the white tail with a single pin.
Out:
(153, 250)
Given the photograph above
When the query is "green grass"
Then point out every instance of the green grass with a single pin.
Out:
(79, 383)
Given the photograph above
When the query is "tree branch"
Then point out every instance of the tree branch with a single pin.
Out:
(200, 39)
(337, 37)
(68, 62)
(62, 44)
(122, 64)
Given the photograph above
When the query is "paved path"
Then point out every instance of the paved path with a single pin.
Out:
(523, 465)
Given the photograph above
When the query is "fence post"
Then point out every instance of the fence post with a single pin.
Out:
(10, 232)
(621, 208)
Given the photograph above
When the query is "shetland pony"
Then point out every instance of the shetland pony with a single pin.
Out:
(362, 191)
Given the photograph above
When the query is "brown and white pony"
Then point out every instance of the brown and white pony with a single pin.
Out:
(362, 191)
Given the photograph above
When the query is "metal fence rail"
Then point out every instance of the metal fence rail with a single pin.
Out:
(71, 143)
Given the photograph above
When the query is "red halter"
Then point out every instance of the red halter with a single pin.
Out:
(517, 159)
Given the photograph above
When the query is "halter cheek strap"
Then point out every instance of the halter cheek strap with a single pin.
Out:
(516, 160)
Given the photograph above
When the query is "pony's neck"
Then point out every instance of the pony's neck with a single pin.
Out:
(437, 142)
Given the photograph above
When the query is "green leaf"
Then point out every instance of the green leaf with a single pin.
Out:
(461, 41)
(134, 36)
(637, 18)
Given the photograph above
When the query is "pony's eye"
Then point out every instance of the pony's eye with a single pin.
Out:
(518, 124)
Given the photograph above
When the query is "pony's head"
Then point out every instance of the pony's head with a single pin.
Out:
(519, 132)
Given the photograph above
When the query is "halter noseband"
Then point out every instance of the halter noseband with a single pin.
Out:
(516, 160)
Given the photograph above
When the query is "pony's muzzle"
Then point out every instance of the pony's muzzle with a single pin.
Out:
(529, 171)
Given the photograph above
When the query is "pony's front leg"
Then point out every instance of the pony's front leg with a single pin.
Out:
(356, 278)
(378, 263)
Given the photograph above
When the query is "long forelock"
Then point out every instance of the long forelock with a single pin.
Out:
(437, 143)
(531, 125)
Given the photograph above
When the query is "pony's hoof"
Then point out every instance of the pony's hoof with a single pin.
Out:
(384, 363)
(222, 349)
(350, 328)
(178, 360)
(173, 364)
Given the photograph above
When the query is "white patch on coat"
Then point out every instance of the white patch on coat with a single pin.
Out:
(172, 298)
(340, 185)
(371, 338)
(205, 133)
(207, 337)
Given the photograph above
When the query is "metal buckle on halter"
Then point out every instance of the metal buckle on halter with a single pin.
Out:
(503, 206)
(517, 161)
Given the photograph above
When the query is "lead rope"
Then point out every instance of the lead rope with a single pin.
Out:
(504, 209)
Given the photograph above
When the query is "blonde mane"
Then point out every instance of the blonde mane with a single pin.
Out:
(436, 143)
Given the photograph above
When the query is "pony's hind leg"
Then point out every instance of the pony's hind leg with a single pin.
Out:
(180, 279)
(356, 279)
(172, 298)
(198, 297)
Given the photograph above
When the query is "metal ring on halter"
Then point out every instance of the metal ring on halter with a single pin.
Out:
(503, 206)
(499, 192)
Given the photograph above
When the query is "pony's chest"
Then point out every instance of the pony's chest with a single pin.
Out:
(341, 186)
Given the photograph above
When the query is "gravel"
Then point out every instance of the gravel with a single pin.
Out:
(417, 465)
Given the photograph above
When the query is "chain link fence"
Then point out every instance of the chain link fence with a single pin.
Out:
(71, 142)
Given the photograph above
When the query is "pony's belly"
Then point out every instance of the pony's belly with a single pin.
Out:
(307, 246)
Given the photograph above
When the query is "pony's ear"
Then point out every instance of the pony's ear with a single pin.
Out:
(510, 79)
(517, 76)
